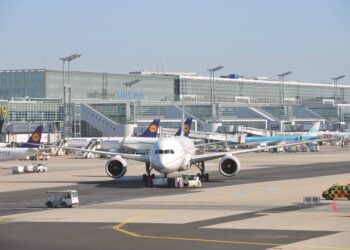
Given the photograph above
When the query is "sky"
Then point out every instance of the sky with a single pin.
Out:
(248, 37)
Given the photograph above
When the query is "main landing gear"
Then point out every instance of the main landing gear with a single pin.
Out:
(148, 177)
(203, 176)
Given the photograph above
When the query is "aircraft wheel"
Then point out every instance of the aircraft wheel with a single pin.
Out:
(206, 177)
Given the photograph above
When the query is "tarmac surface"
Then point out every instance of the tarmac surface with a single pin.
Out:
(260, 208)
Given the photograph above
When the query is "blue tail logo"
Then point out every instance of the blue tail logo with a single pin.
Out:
(152, 129)
(187, 127)
(34, 139)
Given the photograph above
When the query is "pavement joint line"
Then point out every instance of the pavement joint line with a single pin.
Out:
(120, 228)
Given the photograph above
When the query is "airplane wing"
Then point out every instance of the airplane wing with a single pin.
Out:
(135, 157)
(212, 156)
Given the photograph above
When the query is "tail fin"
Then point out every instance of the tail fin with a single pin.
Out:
(315, 127)
(152, 129)
(34, 139)
(187, 127)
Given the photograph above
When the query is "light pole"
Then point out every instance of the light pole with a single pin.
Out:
(67, 114)
(212, 89)
(335, 81)
(281, 79)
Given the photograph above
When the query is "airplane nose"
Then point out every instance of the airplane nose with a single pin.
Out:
(160, 164)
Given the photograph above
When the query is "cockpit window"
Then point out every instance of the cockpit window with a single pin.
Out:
(165, 151)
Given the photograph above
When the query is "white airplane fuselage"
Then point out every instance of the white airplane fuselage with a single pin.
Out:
(333, 135)
(172, 154)
(7, 154)
(128, 143)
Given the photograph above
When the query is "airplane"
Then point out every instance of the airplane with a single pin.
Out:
(29, 148)
(174, 154)
(312, 134)
(144, 144)
(114, 142)
(133, 143)
(342, 136)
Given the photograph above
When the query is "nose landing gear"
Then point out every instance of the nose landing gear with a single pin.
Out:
(148, 177)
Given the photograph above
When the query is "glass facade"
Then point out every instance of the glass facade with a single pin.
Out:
(257, 91)
(24, 111)
(21, 83)
(88, 85)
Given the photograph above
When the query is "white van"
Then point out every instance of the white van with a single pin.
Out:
(65, 198)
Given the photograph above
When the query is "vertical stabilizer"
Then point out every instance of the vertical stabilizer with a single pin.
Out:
(187, 127)
(152, 130)
(34, 139)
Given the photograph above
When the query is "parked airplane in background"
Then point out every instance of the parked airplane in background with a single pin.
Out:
(141, 144)
(113, 143)
(27, 149)
(312, 134)
(343, 137)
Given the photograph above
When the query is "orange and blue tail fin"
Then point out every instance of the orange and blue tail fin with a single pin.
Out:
(152, 130)
(34, 139)
(187, 127)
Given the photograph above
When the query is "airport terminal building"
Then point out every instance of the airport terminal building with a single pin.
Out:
(102, 101)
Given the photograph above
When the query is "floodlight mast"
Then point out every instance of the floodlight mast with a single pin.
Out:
(67, 109)
(335, 82)
(212, 87)
(281, 79)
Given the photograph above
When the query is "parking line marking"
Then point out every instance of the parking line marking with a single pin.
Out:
(120, 226)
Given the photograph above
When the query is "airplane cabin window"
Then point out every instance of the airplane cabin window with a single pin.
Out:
(160, 151)
(167, 151)
(172, 151)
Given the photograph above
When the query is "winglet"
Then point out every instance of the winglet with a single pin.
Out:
(187, 127)
(152, 129)
(34, 139)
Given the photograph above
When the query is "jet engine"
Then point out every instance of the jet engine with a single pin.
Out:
(229, 166)
(116, 167)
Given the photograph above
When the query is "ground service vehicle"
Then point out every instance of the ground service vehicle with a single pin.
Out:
(65, 198)
(191, 181)
(337, 191)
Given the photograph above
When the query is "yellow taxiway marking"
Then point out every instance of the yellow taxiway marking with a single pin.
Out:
(120, 226)
(4, 220)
